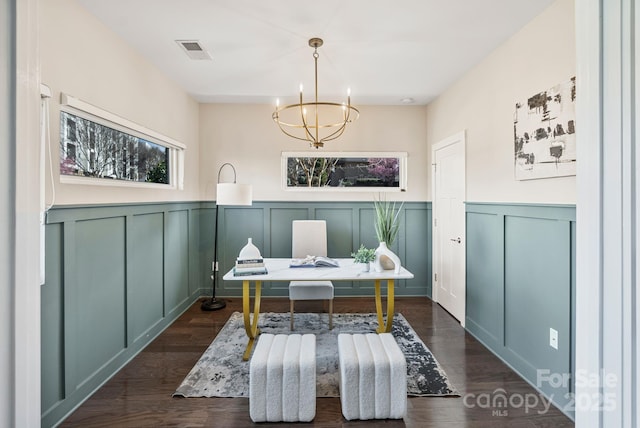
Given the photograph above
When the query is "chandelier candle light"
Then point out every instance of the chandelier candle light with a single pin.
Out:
(292, 119)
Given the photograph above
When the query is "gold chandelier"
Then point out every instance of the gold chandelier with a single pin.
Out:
(294, 120)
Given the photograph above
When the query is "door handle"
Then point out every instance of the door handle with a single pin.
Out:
(458, 240)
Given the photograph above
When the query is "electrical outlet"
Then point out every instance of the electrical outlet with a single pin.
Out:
(553, 338)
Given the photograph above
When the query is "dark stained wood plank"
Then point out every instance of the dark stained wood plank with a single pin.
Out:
(140, 394)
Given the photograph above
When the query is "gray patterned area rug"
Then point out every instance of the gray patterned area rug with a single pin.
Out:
(220, 372)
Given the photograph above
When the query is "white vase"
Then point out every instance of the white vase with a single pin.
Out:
(384, 252)
(249, 251)
(365, 266)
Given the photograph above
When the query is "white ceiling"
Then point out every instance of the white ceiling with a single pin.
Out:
(383, 50)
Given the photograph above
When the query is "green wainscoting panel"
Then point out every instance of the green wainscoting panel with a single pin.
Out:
(339, 230)
(521, 283)
(176, 247)
(203, 235)
(52, 321)
(417, 248)
(237, 226)
(108, 270)
(348, 225)
(366, 232)
(537, 270)
(146, 273)
(339, 240)
(100, 288)
(117, 275)
(485, 284)
(280, 220)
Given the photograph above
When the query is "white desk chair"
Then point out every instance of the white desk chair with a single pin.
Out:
(309, 238)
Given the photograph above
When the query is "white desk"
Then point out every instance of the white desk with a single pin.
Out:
(279, 270)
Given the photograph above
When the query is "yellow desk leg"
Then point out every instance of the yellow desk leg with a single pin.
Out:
(250, 321)
(382, 326)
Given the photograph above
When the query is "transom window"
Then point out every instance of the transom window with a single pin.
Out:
(99, 147)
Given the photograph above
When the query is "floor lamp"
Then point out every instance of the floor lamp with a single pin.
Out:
(226, 194)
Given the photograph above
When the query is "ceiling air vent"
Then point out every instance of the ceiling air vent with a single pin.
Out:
(193, 49)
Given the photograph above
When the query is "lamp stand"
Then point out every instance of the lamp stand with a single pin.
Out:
(214, 304)
(226, 194)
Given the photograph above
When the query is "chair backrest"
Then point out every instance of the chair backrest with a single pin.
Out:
(308, 238)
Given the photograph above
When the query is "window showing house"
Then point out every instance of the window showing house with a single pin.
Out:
(91, 149)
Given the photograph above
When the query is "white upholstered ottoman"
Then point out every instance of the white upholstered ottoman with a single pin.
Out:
(282, 378)
(373, 377)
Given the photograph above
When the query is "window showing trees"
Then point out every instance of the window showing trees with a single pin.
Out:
(90, 149)
(345, 170)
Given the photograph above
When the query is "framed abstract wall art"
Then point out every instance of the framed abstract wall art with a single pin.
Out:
(545, 133)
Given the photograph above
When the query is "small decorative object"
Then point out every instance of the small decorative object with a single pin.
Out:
(249, 266)
(365, 256)
(249, 252)
(386, 259)
(387, 224)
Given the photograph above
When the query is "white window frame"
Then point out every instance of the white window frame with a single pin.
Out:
(75, 106)
(401, 156)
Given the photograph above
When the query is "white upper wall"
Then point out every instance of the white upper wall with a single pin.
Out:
(84, 59)
(538, 57)
(247, 137)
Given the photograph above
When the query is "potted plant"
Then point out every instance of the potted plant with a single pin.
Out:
(387, 224)
(364, 255)
(387, 221)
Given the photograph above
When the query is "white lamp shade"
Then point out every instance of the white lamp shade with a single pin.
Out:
(233, 194)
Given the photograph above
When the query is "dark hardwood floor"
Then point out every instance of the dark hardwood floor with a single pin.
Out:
(140, 394)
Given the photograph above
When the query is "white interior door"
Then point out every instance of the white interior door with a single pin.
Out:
(449, 271)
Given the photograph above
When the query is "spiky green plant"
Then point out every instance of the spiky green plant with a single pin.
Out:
(387, 220)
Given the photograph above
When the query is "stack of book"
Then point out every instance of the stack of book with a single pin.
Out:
(249, 267)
